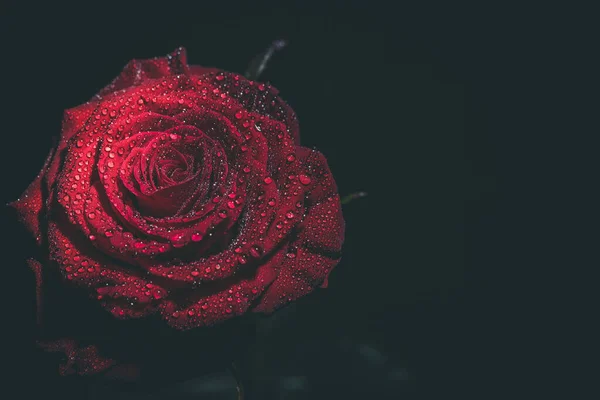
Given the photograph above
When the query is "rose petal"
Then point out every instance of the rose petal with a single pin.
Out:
(138, 71)
(29, 206)
(81, 265)
(316, 249)
(232, 299)
(257, 97)
(296, 277)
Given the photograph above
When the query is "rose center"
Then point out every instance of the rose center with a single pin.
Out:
(174, 165)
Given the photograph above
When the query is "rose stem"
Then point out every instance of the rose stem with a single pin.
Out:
(238, 380)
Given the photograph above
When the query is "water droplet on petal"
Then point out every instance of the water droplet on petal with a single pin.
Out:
(178, 240)
(196, 237)
(255, 251)
(291, 254)
(305, 180)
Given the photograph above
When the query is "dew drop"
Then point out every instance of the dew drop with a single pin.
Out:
(178, 240)
(305, 180)
(196, 237)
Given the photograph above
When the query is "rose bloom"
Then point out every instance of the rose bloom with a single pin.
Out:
(181, 193)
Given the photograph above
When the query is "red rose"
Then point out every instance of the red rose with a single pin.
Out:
(183, 191)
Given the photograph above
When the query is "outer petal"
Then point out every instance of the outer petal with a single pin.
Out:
(258, 98)
(29, 206)
(316, 249)
(74, 120)
(36, 267)
(227, 300)
(200, 70)
(80, 360)
(138, 71)
(122, 292)
(83, 360)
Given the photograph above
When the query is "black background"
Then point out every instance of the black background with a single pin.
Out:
(423, 107)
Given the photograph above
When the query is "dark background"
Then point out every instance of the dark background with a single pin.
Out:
(427, 108)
